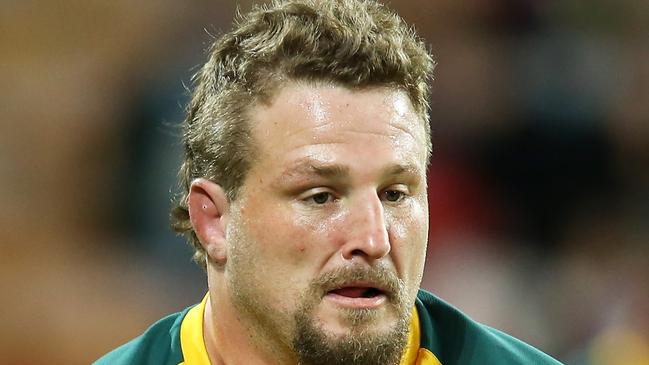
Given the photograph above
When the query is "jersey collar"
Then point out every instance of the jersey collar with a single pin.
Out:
(194, 351)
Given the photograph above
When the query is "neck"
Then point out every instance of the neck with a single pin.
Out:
(232, 338)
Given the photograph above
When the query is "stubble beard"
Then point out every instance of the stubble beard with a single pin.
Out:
(361, 345)
(305, 337)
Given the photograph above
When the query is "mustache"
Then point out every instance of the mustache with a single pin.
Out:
(379, 277)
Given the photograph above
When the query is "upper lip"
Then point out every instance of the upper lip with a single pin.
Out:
(359, 284)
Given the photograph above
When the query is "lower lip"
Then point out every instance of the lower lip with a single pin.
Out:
(356, 303)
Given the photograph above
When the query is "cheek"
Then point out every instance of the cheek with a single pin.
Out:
(270, 256)
(285, 240)
(408, 234)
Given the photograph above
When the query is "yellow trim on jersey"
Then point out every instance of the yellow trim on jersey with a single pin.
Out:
(426, 357)
(192, 341)
(414, 335)
(413, 354)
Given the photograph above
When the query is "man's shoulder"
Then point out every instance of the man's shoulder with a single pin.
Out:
(456, 339)
(159, 344)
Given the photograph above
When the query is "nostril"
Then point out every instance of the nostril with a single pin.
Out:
(348, 255)
(368, 249)
(357, 252)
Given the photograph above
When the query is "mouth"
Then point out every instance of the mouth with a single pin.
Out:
(357, 295)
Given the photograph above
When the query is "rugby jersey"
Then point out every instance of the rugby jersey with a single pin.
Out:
(439, 334)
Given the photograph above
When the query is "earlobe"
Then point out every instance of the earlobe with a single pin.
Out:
(208, 211)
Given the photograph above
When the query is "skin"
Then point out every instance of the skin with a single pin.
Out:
(339, 183)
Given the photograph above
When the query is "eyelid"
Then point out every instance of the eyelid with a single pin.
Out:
(401, 188)
(310, 193)
(404, 188)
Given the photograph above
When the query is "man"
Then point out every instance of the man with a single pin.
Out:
(307, 143)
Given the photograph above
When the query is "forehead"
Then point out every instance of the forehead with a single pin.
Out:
(325, 121)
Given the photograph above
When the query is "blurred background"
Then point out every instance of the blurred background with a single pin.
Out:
(539, 185)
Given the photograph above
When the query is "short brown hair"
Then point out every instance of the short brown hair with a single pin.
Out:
(353, 43)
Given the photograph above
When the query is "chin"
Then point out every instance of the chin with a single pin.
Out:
(342, 321)
(358, 336)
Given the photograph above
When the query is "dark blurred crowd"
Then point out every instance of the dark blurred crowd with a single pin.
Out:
(539, 182)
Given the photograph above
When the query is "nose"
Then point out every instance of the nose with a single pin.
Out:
(367, 236)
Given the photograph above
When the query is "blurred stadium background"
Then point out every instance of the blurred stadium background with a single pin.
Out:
(539, 183)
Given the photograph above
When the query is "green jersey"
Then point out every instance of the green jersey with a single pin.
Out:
(439, 334)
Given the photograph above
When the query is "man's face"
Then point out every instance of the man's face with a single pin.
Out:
(326, 241)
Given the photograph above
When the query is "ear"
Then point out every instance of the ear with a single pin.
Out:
(208, 211)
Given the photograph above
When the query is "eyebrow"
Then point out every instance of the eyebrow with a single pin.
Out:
(308, 167)
(402, 169)
(311, 167)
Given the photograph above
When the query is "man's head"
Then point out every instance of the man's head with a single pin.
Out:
(357, 44)
(307, 142)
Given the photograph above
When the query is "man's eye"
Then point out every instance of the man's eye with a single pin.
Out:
(393, 195)
(321, 198)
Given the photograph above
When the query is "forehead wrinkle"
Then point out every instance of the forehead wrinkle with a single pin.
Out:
(405, 127)
(417, 132)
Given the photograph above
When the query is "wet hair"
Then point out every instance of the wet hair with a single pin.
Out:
(355, 44)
